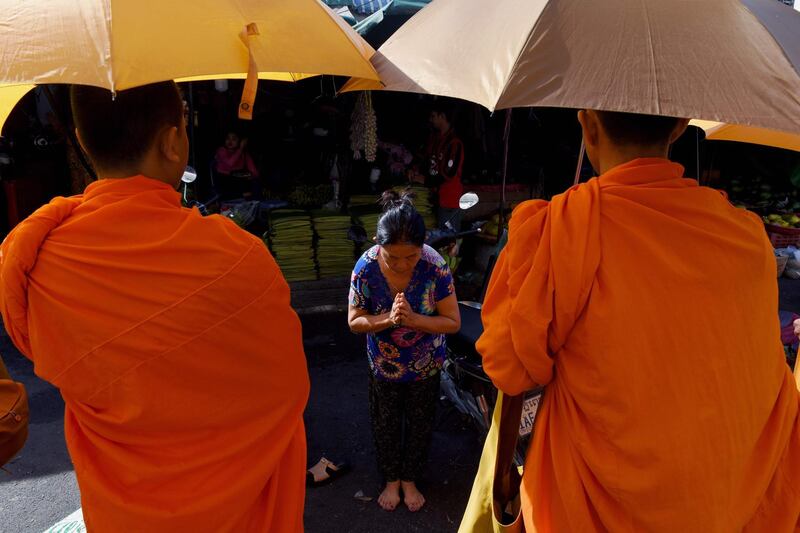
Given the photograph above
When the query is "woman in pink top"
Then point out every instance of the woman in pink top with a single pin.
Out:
(240, 177)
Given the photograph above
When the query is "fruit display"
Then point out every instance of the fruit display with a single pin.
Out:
(492, 227)
(757, 193)
(291, 240)
(789, 220)
(310, 196)
(364, 129)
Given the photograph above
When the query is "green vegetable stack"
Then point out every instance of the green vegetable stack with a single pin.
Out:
(369, 221)
(310, 196)
(422, 201)
(365, 211)
(291, 239)
(363, 201)
(334, 249)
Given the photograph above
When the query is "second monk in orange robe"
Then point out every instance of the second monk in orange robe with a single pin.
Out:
(648, 307)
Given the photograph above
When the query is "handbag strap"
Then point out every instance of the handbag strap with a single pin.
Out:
(507, 478)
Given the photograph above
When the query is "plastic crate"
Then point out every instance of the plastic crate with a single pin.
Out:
(781, 237)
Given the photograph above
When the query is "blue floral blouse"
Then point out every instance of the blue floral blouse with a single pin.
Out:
(403, 354)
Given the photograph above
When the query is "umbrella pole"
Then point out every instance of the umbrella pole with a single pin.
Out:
(70, 134)
(697, 146)
(506, 137)
(191, 123)
(580, 163)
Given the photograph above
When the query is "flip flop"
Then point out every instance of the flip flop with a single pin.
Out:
(325, 472)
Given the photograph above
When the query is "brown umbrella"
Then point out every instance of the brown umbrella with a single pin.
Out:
(733, 61)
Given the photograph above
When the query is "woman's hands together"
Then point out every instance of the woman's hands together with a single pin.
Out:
(401, 313)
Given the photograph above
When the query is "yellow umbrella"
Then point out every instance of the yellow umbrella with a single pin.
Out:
(719, 131)
(119, 44)
(9, 96)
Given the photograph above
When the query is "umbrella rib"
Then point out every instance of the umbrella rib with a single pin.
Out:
(519, 56)
(110, 28)
(331, 14)
(652, 56)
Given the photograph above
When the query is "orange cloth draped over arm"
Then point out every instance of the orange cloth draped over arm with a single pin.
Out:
(171, 339)
(648, 307)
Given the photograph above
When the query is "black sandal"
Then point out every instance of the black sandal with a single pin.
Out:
(325, 472)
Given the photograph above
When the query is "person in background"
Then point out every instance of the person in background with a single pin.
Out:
(236, 170)
(169, 335)
(442, 165)
(402, 297)
(618, 296)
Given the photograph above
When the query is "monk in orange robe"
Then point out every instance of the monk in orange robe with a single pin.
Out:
(647, 306)
(169, 335)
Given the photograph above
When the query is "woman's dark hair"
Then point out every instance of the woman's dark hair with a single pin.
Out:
(400, 223)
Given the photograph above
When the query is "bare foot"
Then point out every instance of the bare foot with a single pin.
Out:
(412, 496)
(390, 497)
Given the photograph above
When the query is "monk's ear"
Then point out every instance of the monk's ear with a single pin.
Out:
(679, 130)
(590, 126)
(80, 141)
(168, 144)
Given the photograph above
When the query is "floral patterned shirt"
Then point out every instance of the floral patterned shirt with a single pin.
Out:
(402, 354)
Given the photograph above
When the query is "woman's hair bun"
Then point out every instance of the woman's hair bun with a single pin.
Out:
(392, 199)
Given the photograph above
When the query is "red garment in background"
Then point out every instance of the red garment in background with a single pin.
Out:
(446, 158)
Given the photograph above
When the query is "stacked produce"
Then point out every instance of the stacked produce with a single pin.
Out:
(369, 221)
(422, 201)
(310, 196)
(334, 249)
(364, 129)
(364, 200)
(291, 239)
(365, 211)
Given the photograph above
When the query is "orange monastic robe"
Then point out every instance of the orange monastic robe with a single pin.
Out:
(648, 307)
(180, 361)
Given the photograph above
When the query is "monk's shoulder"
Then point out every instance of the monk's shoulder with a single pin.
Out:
(221, 236)
(528, 213)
